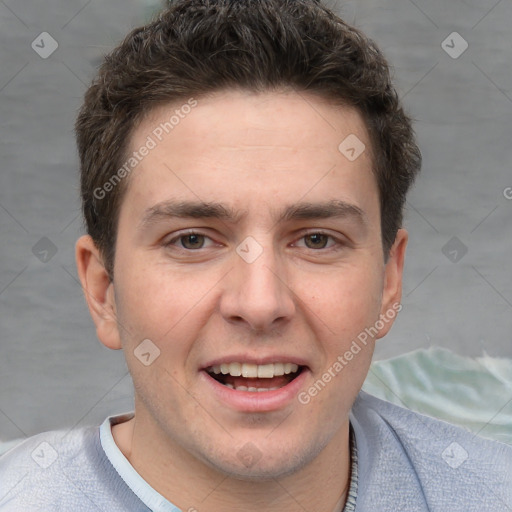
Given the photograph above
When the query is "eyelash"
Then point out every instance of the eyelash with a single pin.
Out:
(339, 243)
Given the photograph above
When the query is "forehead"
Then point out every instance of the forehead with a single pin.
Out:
(262, 146)
(280, 118)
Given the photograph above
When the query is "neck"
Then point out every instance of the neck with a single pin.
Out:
(322, 485)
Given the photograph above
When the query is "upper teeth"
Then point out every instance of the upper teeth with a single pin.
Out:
(265, 371)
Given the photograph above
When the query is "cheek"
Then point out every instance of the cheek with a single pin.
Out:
(347, 300)
(170, 310)
(155, 307)
(154, 301)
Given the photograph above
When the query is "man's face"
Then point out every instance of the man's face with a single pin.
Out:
(260, 288)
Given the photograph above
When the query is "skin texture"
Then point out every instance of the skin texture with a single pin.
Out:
(303, 296)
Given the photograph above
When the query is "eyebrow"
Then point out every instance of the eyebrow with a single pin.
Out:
(214, 210)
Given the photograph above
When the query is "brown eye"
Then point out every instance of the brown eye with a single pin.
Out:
(192, 241)
(318, 240)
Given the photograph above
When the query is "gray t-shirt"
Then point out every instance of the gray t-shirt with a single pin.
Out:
(402, 461)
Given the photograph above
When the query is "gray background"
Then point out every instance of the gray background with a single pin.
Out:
(53, 371)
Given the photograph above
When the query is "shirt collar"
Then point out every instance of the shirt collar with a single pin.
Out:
(151, 498)
(155, 501)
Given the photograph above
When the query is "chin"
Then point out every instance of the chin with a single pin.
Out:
(249, 464)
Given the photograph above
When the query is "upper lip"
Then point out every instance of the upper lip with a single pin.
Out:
(259, 360)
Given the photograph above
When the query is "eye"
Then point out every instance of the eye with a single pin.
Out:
(190, 240)
(194, 240)
(318, 240)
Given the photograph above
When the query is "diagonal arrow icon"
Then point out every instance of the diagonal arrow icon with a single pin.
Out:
(454, 45)
(249, 249)
(455, 455)
(449, 453)
(44, 45)
(44, 455)
(454, 249)
(44, 250)
(146, 352)
(351, 147)
(44, 255)
(453, 254)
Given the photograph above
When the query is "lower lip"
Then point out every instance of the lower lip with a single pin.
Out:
(256, 401)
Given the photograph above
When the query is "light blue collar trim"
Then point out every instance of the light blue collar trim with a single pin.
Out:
(152, 499)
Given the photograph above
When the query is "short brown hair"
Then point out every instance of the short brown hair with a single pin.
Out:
(197, 47)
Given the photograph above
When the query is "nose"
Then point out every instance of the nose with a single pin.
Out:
(257, 294)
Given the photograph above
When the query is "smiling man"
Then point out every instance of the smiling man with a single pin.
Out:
(244, 169)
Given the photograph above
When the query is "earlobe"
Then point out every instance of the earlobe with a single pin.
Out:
(392, 290)
(98, 290)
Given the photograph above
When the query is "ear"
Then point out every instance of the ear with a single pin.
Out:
(392, 291)
(99, 291)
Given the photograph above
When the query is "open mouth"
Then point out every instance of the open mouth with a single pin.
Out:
(253, 377)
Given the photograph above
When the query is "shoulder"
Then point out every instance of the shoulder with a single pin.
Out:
(427, 462)
(35, 471)
(58, 470)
